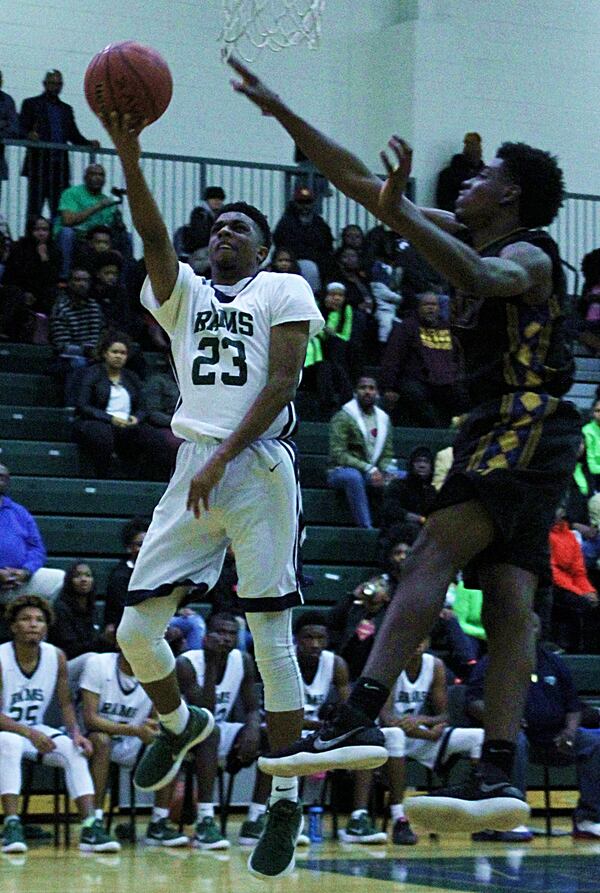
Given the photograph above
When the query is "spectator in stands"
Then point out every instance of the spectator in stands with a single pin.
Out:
(132, 537)
(161, 394)
(22, 552)
(116, 712)
(9, 128)
(552, 725)
(575, 601)
(97, 241)
(33, 266)
(284, 261)
(420, 368)
(213, 677)
(358, 291)
(112, 297)
(591, 434)
(463, 166)
(76, 322)
(110, 414)
(303, 231)
(82, 208)
(191, 241)
(588, 306)
(31, 672)
(415, 725)
(50, 120)
(412, 498)
(190, 624)
(75, 629)
(385, 287)
(361, 450)
(352, 236)
(466, 605)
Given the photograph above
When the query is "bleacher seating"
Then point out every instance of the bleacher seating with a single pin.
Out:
(82, 517)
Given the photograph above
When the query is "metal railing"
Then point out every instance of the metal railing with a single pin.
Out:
(177, 183)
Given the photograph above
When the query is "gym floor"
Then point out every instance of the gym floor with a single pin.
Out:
(453, 863)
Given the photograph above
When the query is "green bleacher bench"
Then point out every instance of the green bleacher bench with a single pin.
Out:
(52, 423)
(20, 389)
(101, 536)
(313, 438)
(87, 496)
(44, 458)
(585, 669)
(36, 358)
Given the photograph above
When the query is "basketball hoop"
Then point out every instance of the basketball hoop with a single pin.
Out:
(251, 25)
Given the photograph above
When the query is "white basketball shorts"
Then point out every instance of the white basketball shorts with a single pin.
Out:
(256, 506)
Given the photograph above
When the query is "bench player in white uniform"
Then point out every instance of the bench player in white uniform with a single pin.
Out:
(238, 344)
(116, 712)
(410, 732)
(31, 673)
(214, 677)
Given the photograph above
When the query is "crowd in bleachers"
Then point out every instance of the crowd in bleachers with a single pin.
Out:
(386, 357)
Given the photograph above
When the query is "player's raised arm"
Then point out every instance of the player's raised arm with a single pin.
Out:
(344, 169)
(159, 254)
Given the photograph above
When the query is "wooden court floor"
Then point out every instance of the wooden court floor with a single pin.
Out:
(557, 865)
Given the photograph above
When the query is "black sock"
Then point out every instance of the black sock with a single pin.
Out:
(500, 754)
(368, 695)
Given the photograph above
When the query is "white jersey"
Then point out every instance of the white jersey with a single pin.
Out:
(220, 340)
(410, 697)
(228, 688)
(26, 697)
(316, 693)
(121, 697)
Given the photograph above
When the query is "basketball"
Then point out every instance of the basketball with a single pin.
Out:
(127, 77)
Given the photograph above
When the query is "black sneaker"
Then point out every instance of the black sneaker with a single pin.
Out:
(403, 834)
(485, 800)
(349, 741)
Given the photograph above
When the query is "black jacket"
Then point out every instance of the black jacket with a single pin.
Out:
(34, 116)
(94, 394)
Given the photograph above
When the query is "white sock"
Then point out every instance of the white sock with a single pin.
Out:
(11, 818)
(283, 789)
(99, 814)
(356, 814)
(205, 811)
(176, 721)
(397, 811)
(158, 813)
(255, 810)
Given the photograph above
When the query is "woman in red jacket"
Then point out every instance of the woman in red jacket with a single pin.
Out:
(574, 596)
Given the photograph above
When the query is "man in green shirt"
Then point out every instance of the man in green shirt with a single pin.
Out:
(82, 207)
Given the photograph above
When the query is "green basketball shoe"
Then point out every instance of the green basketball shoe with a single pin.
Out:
(161, 761)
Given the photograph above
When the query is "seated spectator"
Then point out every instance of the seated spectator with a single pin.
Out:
(575, 601)
(466, 605)
(352, 236)
(116, 712)
(361, 450)
(284, 261)
(414, 721)
(111, 412)
(462, 167)
(31, 672)
(76, 323)
(22, 552)
(350, 274)
(552, 726)
(161, 394)
(132, 537)
(213, 677)
(191, 241)
(75, 630)
(303, 231)
(97, 241)
(588, 306)
(33, 266)
(82, 208)
(385, 287)
(420, 368)
(591, 434)
(412, 498)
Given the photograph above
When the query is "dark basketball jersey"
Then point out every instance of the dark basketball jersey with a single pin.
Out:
(509, 345)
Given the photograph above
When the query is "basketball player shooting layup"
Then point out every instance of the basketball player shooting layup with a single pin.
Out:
(513, 456)
(238, 344)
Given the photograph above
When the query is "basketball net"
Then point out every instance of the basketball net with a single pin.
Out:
(251, 25)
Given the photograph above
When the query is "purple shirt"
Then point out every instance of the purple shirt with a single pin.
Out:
(21, 545)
